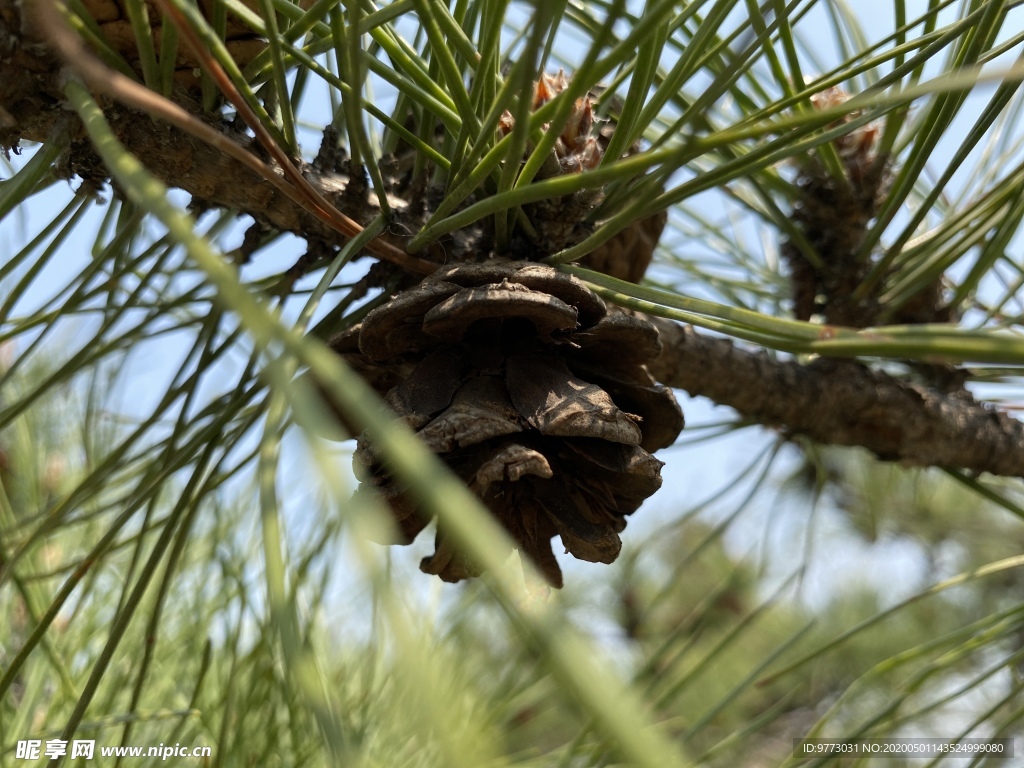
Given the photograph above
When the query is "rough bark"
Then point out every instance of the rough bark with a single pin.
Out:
(30, 102)
(840, 402)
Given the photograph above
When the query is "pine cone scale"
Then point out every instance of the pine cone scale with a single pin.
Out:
(480, 410)
(381, 337)
(636, 392)
(429, 389)
(449, 320)
(632, 472)
(555, 402)
(618, 337)
(595, 542)
(513, 462)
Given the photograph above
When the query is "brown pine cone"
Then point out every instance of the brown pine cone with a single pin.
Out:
(534, 393)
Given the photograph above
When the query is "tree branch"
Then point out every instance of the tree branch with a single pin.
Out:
(829, 401)
(30, 102)
(839, 402)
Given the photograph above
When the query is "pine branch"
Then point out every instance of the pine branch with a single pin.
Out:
(31, 95)
(832, 402)
(840, 402)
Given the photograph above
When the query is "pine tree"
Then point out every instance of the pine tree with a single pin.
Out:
(506, 251)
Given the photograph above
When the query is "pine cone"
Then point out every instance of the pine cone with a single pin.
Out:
(534, 393)
(834, 214)
(858, 148)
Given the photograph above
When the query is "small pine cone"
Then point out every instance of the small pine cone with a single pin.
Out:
(857, 149)
(833, 214)
(560, 222)
(577, 148)
(534, 393)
